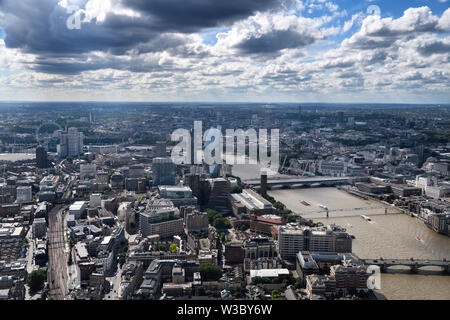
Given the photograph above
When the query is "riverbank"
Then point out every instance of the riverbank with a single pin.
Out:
(366, 196)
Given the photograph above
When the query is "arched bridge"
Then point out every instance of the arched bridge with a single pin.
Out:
(413, 264)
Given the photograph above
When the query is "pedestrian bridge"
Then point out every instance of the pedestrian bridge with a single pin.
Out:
(298, 181)
(413, 264)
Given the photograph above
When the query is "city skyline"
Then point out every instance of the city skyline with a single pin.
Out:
(307, 51)
(93, 204)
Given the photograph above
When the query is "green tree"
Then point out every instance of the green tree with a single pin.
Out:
(291, 219)
(36, 280)
(221, 223)
(222, 237)
(210, 272)
(173, 248)
(276, 295)
(236, 189)
(243, 227)
(162, 247)
(212, 214)
(278, 205)
(122, 258)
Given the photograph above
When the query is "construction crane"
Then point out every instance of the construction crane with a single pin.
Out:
(305, 167)
(282, 166)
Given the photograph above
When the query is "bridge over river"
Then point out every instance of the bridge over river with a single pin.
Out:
(298, 181)
(413, 264)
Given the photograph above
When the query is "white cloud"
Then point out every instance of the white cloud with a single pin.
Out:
(271, 55)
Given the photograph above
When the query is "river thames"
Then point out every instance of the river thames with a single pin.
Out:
(394, 235)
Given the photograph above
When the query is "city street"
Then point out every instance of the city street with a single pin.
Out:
(30, 264)
(30, 251)
(115, 284)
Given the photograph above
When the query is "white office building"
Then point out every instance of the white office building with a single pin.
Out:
(77, 209)
(75, 142)
(290, 241)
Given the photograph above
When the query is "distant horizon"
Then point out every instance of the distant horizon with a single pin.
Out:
(227, 102)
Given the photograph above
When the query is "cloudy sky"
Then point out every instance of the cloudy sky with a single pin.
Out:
(225, 50)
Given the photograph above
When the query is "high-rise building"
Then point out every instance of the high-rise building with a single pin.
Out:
(218, 193)
(290, 241)
(164, 172)
(62, 147)
(41, 158)
(75, 142)
(193, 181)
(70, 143)
(160, 149)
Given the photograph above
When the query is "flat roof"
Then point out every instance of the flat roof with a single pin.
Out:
(106, 240)
(174, 188)
(268, 273)
(78, 205)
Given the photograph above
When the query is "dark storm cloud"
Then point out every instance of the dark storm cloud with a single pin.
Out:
(438, 47)
(136, 64)
(193, 15)
(339, 64)
(368, 43)
(274, 41)
(39, 27)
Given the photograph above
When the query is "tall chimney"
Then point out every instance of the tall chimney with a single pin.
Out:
(264, 184)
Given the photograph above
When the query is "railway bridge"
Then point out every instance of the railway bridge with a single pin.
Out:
(298, 182)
